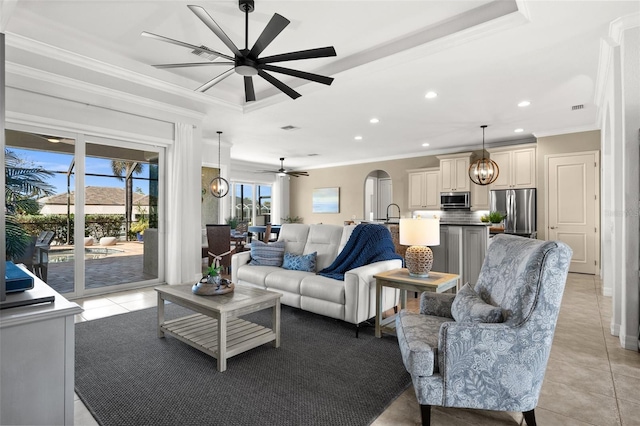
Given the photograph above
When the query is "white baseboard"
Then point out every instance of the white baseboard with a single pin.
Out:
(615, 329)
(629, 342)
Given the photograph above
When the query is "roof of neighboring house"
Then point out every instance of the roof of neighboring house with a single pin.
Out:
(98, 195)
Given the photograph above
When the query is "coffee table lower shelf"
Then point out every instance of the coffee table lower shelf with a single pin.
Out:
(201, 332)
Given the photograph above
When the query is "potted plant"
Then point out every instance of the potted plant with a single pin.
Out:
(213, 274)
(232, 222)
(496, 217)
(289, 219)
(139, 227)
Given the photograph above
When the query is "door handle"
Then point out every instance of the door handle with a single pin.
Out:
(552, 227)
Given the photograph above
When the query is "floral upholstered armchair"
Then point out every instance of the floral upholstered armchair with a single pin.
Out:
(487, 347)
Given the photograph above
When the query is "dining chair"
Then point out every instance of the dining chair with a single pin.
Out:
(239, 236)
(219, 245)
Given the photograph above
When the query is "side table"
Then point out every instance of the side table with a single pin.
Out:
(438, 282)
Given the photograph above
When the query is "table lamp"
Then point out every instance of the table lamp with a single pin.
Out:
(419, 233)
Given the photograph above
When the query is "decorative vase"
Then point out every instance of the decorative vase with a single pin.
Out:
(213, 279)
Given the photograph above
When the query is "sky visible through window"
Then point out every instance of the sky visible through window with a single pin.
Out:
(57, 162)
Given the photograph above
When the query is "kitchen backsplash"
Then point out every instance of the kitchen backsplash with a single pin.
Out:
(453, 216)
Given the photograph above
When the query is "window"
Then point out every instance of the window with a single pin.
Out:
(251, 202)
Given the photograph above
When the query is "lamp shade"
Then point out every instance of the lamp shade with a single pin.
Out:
(420, 232)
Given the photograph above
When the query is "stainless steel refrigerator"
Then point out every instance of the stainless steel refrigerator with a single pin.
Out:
(520, 207)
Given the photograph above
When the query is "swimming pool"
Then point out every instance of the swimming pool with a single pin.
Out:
(66, 255)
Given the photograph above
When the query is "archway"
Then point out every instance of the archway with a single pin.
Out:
(378, 194)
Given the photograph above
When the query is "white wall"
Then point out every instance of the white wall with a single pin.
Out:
(618, 96)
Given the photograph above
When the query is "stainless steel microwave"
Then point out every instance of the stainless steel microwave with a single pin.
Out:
(455, 200)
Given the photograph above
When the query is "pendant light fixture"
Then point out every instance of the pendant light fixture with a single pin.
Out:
(219, 186)
(483, 171)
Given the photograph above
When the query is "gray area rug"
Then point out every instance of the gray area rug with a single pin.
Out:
(320, 375)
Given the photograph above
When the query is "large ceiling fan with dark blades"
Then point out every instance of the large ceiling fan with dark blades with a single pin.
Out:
(247, 62)
(283, 171)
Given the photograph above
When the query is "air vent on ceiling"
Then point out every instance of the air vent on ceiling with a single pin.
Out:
(289, 127)
(576, 107)
(206, 55)
(312, 155)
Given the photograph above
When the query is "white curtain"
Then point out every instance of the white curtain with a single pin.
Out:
(183, 262)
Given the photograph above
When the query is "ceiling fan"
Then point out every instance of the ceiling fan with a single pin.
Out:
(282, 170)
(247, 62)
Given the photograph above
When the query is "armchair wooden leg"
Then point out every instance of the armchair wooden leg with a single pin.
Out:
(425, 411)
(529, 417)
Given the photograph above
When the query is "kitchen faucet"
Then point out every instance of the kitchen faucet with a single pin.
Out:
(393, 217)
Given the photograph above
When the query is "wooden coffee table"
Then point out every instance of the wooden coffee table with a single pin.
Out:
(216, 329)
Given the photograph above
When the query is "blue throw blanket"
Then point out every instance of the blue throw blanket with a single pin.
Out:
(367, 244)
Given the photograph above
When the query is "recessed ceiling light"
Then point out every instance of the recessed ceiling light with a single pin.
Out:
(431, 95)
(519, 130)
(358, 138)
(374, 121)
(425, 144)
(524, 104)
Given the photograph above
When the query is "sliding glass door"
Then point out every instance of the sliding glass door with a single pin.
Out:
(121, 215)
(102, 239)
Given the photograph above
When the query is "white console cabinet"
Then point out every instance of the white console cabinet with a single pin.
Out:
(37, 360)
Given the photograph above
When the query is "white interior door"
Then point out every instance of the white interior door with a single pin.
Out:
(385, 197)
(572, 200)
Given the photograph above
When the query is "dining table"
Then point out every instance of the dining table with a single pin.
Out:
(261, 229)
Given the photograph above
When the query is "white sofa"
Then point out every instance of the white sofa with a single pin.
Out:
(352, 300)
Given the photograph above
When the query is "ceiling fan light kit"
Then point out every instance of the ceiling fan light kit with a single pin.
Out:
(483, 171)
(283, 172)
(247, 62)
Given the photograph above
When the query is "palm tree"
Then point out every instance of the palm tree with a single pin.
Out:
(123, 171)
(23, 185)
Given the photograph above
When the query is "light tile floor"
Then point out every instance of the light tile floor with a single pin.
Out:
(590, 380)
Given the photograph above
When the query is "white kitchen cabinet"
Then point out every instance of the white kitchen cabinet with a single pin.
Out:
(424, 193)
(517, 166)
(461, 251)
(479, 197)
(447, 257)
(454, 172)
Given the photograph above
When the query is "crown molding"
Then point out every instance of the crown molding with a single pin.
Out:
(620, 25)
(84, 87)
(29, 120)
(566, 131)
(605, 61)
(53, 52)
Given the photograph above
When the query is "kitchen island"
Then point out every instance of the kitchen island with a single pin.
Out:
(462, 249)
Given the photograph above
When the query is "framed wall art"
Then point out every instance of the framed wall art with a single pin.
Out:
(326, 200)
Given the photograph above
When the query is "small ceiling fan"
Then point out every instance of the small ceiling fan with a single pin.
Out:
(282, 170)
(247, 62)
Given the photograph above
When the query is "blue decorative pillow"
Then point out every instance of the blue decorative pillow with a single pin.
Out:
(264, 254)
(467, 306)
(304, 262)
